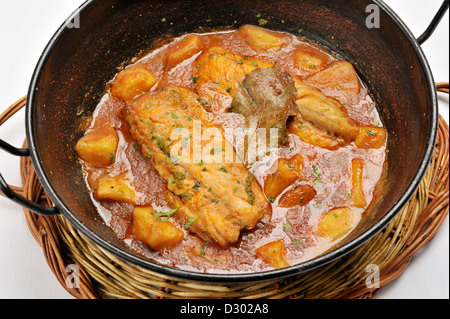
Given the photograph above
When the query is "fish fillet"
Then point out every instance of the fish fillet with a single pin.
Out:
(215, 200)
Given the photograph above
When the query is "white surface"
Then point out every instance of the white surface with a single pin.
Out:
(25, 28)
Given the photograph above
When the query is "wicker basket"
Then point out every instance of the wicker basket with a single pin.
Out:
(104, 276)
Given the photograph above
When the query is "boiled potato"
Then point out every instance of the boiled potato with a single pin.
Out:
(358, 197)
(371, 137)
(336, 223)
(307, 62)
(259, 38)
(155, 232)
(98, 148)
(273, 254)
(300, 196)
(287, 173)
(132, 82)
(184, 49)
(115, 188)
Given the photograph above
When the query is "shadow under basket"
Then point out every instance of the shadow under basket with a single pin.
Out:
(104, 276)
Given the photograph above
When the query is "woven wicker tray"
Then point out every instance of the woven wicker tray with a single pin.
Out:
(104, 276)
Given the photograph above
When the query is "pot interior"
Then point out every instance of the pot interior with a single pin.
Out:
(80, 61)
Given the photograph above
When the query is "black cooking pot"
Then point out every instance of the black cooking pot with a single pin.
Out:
(83, 56)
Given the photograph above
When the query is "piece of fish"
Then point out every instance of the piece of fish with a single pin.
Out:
(215, 200)
(324, 113)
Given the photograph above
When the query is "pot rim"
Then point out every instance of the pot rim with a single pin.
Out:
(244, 277)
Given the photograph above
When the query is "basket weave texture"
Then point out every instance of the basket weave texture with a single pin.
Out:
(104, 276)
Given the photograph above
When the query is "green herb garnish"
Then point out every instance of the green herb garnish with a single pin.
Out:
(164, 216)
(262, 22)
(223, 169)
(189, 223)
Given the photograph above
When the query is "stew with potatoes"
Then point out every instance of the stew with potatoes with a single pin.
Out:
(234, 151)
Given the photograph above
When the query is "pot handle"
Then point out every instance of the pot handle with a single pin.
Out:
(22, 152)
(434, 23)
(443, 87)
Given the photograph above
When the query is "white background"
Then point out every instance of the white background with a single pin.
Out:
(25, 28)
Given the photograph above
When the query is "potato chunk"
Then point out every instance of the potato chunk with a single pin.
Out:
(371, 137)
(300, 196)
(273, 254)
(98, 148)
(259, 38)
(358, 197)
(308, 62)
(184, 49)
(156, 233)
(287, 173)
(336, 223)
(115, 188)
(132, 82)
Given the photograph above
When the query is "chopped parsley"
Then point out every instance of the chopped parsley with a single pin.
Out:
(202, 101)
(189, 223)
(223, 169)
(164, 216)
(188, 196)
(316, 171)
(262, 22)
(197, 185)
(216, 150)
(249, 191)
(287, 225)
(202, 252)
(347, 194)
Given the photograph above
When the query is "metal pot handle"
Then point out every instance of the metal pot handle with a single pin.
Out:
(434, 23)
(22, 152)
